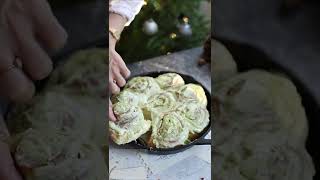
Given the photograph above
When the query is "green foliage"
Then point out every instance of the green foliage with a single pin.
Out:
(136, 45)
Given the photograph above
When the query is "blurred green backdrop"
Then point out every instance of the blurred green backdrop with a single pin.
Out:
(174, 19)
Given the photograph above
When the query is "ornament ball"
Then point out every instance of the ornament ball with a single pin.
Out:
(185, 29)
(150, 27)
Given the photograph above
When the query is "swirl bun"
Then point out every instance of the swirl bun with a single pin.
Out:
(143, 87)
(128, 97)
(169, 130)
(49, 156)
(169, 80)
(196, 115)
(161, 102)
(192, 92)
(130, 125)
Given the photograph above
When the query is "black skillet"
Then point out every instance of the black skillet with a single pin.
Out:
(248, 57)
(200, 140)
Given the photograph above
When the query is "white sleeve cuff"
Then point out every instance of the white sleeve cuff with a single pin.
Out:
(126, 8)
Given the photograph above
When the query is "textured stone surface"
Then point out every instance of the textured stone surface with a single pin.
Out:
(185, 62)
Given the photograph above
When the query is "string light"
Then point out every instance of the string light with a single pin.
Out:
(173, 35)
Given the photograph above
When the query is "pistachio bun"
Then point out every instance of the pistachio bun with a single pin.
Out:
(192, 92)
(130, 124)
(195, 115)
(128, 97)
(223, 64)
(169, 130)
(143, 87)
(83, 73)
(161, 102)
(57, 156)
(264, 108)
(169, 80)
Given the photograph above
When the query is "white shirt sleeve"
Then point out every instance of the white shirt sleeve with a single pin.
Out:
(126, 8)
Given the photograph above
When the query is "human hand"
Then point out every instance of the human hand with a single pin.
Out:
(28, 29)
(118, 72)
(8, 170)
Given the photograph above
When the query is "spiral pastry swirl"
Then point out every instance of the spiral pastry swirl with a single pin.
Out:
(83, 73)
(161, 102)
(143, 85)
(196, 115)
(192, 92)
(130, 124)
(126, 97)
(169, 130)
(45, 156)
(170, 80)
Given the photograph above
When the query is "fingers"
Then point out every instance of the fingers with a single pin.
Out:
(122, 66)
(35, 60)
(47, 27)
(118, 71)
(111, 114)
(119, 79)
(113, 86)
(7, 170)
(15, 85)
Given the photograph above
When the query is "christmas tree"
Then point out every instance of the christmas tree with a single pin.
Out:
(162, 27)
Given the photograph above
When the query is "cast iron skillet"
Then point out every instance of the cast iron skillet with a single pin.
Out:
(200, 140)
(248, 57)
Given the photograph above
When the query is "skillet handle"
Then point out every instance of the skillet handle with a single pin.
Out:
(203, 142)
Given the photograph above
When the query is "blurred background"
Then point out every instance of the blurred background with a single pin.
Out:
(84, 20)
(164, 27)
(286, 30)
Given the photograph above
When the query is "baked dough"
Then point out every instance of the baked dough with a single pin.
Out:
(169, 80)
(195, 114)
(61, 133)
(146, 100)
(192, 92)
(143, 87)
(130, 124)
(260, 129)
(263, 107)
(83, 73)
(44, 131)
(161, 102)
(223, 65)
(169, 130)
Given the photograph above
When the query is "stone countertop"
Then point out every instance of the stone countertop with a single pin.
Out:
(185, 62)
(127, 163)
